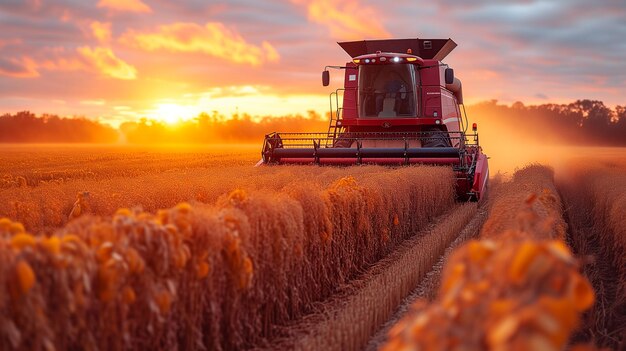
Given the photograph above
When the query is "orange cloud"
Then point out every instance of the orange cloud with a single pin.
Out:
(346, 19)
(99, 59)
(24, 68)
(101, 31)
(105, 61)
(59, 59)
(98, 102)
(125, 5)
(212, 39)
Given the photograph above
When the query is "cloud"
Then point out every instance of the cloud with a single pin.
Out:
(101, 60)
(347, 19)
(8, 42)
(18, 68)
(59, 59)
(105, 61)
(212, 39)
(233, 91)
(562, 49)
(125, 6)
(98, 102)
(270, 52)
(101, 31)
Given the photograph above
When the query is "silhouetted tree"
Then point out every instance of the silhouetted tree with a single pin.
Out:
(25, 127)
(580, 122)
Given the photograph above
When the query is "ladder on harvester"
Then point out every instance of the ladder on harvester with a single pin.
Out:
(335, 128)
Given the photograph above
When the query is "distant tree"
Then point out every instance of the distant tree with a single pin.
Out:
(26, 127)
(620, 125)
(580, 122)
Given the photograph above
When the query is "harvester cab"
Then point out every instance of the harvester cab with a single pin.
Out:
(399, 105)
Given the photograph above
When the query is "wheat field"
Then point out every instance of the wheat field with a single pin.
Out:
(107, 248)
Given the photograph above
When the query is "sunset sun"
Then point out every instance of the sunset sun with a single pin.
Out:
(172, 113)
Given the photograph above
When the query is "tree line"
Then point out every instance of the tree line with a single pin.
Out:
(26, 127)
(587, 122)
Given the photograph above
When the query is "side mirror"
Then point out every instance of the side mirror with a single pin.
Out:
(325, 78)
(449, 76)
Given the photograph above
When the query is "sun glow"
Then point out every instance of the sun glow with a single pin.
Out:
(173, 113)
(236, 101)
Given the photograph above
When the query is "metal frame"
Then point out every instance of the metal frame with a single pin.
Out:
(306, 139)
(318, 146)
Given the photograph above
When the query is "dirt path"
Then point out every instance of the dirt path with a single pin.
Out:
(430, 283)
(348, 321)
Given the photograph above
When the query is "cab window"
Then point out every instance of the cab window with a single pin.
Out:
(387, 90)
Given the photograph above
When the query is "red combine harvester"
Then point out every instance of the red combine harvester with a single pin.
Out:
(400, 106)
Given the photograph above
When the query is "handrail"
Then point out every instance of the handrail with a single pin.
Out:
(336, 112)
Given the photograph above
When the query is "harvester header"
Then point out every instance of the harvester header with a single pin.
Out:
(399, 105)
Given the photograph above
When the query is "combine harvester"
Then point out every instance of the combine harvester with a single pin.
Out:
(400, 106)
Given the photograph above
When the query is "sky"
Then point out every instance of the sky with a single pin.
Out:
(120, 60)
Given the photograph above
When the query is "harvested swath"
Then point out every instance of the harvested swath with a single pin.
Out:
(509, 202)
(216, 277)
(427, 287)
(595, 193)
(348, 319)
(524, 285)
